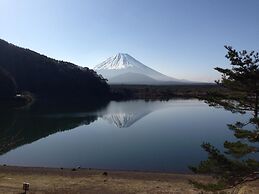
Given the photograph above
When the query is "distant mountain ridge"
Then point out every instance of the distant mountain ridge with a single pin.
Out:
(124, 69)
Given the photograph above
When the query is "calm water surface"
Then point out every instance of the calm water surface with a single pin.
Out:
(132, 135)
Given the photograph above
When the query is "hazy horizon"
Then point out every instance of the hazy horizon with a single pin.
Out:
(181, 39)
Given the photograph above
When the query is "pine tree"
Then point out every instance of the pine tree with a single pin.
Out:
(240, 94)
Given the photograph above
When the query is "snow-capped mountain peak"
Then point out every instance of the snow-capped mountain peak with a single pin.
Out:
(124, 69)
(119, 61)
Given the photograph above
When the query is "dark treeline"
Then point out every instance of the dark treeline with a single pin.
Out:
(163, 92)
(46, 77)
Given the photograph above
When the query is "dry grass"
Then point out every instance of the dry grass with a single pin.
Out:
(64, 181)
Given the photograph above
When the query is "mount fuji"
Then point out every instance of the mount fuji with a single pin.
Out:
(124, 69)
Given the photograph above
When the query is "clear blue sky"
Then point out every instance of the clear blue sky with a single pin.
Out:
(180, 38)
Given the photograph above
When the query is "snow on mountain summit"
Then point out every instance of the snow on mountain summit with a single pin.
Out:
(124, 69)
(119, 61)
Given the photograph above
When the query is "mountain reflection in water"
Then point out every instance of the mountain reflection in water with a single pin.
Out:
(157, 135)
(125, 114)
(19, 127)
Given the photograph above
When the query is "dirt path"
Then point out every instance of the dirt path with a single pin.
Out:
(45, 180)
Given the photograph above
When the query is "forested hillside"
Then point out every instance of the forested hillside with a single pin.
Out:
(46, 77)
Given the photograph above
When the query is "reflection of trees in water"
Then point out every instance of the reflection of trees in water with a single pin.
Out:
(19, 127)
(238, 163)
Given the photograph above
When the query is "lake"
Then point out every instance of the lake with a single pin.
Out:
(131, 135)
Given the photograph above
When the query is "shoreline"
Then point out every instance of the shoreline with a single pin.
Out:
(120, 92)
(58, 180)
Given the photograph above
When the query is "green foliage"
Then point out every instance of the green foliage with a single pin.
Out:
(228, 171)
(238, 149)
(241, 80)
(241, 84)
(243, 76)
(241, 133)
